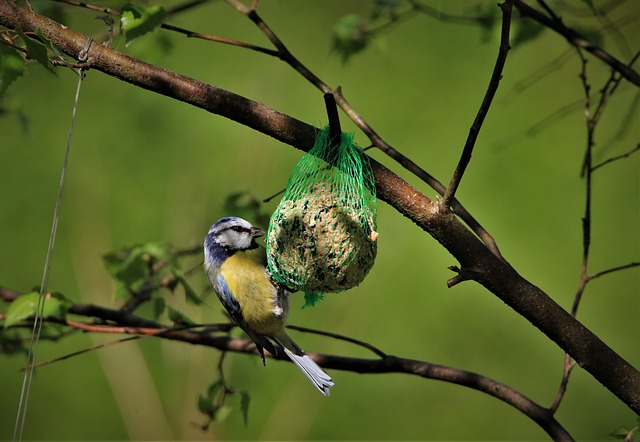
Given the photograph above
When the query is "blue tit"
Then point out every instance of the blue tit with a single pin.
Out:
(237, 269)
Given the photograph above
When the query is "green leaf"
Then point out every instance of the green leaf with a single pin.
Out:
(52, 48)
(619, 433)
(22, 308)
(11, 342)
(36, 50)
(12, 67)
(178, 317)
(205, 405)
(153, 249)
(487, 16)
(591, 6)
(127, 268)
(138, 20)
(190, 294)
(213, 389)
(159, 307)
(223, 412)
(131, 265)
(527, 31)
(26, 306)
(350, 36)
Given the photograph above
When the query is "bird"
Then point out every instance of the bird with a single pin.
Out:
(237, 269)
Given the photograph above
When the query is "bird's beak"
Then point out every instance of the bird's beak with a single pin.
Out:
(256, 232)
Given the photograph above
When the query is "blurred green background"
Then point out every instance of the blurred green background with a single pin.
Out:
(146, 168)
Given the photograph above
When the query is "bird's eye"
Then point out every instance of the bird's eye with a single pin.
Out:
(237, 229)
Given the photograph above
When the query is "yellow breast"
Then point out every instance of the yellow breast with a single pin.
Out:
(246, 276)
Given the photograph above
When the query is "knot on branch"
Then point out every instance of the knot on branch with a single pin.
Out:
(462, 275)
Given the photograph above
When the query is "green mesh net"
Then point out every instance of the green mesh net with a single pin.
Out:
(322, 236)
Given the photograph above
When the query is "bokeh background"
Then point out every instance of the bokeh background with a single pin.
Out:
(145, 168)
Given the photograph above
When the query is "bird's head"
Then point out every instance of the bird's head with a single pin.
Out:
(234, 233)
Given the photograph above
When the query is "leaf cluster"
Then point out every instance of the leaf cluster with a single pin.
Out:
(138, 272)
(213, 403)
(18, 47)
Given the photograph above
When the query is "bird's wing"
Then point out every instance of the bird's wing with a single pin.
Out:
(232, 306)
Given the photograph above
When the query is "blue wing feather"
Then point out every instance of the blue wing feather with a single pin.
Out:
(228, 300)
(232, 306)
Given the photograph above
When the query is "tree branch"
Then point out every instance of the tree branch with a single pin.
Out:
(495, 274)
(285, 55)
(494, 82)
(140, 327)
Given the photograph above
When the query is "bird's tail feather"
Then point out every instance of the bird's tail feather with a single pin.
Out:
(316, 375)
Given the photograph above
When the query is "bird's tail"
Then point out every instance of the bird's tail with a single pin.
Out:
(316, 375)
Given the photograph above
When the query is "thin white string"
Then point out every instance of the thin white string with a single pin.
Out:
(37, 323)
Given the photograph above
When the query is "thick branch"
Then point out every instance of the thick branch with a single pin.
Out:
(492, 272)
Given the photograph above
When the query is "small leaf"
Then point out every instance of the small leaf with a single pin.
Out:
(36, 50)
(56, 304)
(11, 342)
(350, 36)
(156, 250)
(190, 294)
(223, 412)
(51, 47)
(619, 433)
(138, 20)
(527, 31)
(22, 308)
(128, 268)
(12, 67)
(178, 317)
(487, 17)
(25, 306)
(131, 265)
(159, 307)
(213, 389)
(591, 6)
(205, 405)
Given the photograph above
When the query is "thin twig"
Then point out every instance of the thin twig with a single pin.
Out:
(224, 40)
(592, 118)
(91, 7)
(586, 224)
(363, 344)
(568, 367)
(83, 351)
(616, 158)
(578, 40)
(549, 11)
(614, 269)
(494, 82)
